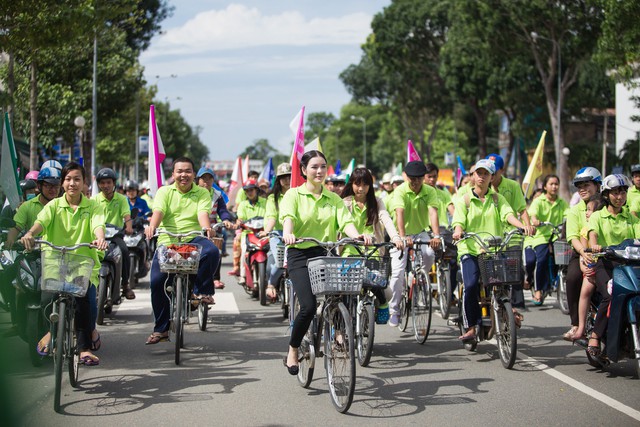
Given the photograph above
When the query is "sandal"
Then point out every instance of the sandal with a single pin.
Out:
(96, 344)
(89, 360)
(43, 350)
(518, 317)
(271, 292)
(594, 350)
(206, 299)
(568, 336)
(157, 337)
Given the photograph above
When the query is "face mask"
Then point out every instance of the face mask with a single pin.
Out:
(30, 196)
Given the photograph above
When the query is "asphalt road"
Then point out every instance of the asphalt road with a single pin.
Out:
(232, 375)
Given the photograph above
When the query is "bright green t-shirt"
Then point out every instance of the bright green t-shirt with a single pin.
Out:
(512, 192)
(360, 222)
(27, 213)
(180, 210)
(489, 216)
(147, 198)
(246, 210)
(115, 209)
(444, 200)
(612, 230)
(633, 199)
(416, 207)
(271, 211)
(64, 227)
(545, 210)
(320, 218)
(240, 197)
(576, 220)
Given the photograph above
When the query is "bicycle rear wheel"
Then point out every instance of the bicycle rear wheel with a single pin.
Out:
(444, 292)
(203, 315)
(340, 358)
(365, 334)
(421, 308)
(72, 352)
(307, 349)
(102, 299)
(469, 345)
(58, 355)
(506, 332)
(177, 317)
(562, 291)
(404, 307)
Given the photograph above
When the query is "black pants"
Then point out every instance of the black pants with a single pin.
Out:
(574, 285)
(299, 275)
(604, 273)
(126, 262)
(216, 275)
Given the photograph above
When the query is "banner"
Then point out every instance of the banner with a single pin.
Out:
(535, 168)
(412, 154)
(313, 145)
(298, 149)
(268, 173)
(156, 154)
(349, 170)
(9, 179)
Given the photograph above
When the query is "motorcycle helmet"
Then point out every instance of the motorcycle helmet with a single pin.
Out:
(52, 164)
(635, 169)
(27, 185)
(131, 185)
(49, 175)
(614, 181)
(587, 174)
(32, 175)
(106, 173)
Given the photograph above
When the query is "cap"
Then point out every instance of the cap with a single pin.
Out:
(283, 169)
(386, 178)
(497, 159)
(340, 178)
(251, 183)
(486, 164)
(415, 168)
(205, 170)
(397, 178)
(262, 182)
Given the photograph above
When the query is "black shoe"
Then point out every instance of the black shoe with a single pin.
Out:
(293, 370)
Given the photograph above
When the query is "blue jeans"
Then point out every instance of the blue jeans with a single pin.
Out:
(471, 314)
(538, 259)
(275, 273)
(203, 283)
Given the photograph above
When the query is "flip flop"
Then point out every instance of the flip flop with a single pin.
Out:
(89, 360)
(519, 318)
(95, 345)
(156, 337)
(208, 299)
(42, 351)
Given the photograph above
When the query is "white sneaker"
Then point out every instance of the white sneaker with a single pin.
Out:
(393, 320)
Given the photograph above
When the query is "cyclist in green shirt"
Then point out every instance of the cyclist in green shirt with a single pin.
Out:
(633, 195)
(445, 204)
(253, 206)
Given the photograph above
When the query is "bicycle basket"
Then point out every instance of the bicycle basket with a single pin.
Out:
(501, 268)
(218, 241)
(179, 258)
(336, 275)
(562, 252)
(65, 272)
(377, 271)
(279, 255)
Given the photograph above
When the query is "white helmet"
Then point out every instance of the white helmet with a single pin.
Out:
(51, 164)
(587, 174)
(614, 181)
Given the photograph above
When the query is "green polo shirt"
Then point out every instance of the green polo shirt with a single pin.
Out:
(246, 210)
(576, 220)
(360, 222)
(147, 198)
(488, 217)
(64, 227)
(271, 212)
(444, 200)
(320, 218)
(180, 210)
(27, 213)
(633, 199)
(612, 230)
(115, 209)
(416, 207)
(240, 197)
(545, 210)
(512, 192)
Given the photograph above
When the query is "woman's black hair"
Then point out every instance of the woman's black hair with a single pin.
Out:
(363, 176)
(546, 179)
(306, 158)
(277, 190)
(73, 166)
(599, 201)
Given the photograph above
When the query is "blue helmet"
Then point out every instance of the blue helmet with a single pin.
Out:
(587, 174)
(51, 164)
(49, 175)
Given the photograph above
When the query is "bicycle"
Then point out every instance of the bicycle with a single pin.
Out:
(68, 276)
(417, 298)
(179, 260)
(444, 258)
(282, 288)
(332, 277)
(500, 265)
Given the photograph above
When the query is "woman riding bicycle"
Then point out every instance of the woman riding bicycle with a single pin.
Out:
(67, 221)
(546, 208)
(370, 217)
(587, 180)
(480, 210)
(310, 211)
(608, 227)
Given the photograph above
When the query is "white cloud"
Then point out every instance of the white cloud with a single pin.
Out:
(239, 26)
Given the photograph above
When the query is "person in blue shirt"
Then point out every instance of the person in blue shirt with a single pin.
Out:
(131, 189)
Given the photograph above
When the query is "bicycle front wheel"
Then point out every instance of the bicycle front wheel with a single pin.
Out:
(404, 307)
(72, 352)
(102, 299)
(340, 358)
(506, 332)
(307, 349)
(58, 355)
(562, 291)
(421, 308)
(444, 292)
(177, 317)
(203, 315)
(365, 334)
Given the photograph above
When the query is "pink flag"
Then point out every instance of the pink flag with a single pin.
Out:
(412, 154)
(236, 179)
(298, 149)
(245, 169)
(156, 154)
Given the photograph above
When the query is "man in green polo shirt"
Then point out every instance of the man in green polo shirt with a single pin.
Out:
(633, 195)
(116, 212)
(414, 206)
(445, 205)
(180, 208)
(252, 207)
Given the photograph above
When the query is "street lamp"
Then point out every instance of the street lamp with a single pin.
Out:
(79, 122)
(364, 137)
(536, 36)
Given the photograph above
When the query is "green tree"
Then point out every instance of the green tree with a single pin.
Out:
(619, 43)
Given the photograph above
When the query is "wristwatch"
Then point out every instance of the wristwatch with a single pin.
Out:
(437, 236)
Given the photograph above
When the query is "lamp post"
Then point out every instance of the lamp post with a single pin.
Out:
(364, 137)
(536, 36)
(79, 122)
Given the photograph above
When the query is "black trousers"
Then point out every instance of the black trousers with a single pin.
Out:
(574, 285)
(604, 273)
(299, 275)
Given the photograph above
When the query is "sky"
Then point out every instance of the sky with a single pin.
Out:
(242, 70)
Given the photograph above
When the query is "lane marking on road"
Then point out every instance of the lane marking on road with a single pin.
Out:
(619, 406)
(225, 303)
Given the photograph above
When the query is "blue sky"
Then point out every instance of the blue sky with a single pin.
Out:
(245, 68)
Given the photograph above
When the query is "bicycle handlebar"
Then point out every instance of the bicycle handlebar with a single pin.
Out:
(181, 235)
(494, 241)
(65, 248)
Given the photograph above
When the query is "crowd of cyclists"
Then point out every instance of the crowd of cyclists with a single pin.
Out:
(399, 209)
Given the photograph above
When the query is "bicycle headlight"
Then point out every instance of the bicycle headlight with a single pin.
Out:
(132, 241)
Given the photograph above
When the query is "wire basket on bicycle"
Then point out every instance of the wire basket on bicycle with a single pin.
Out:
(502, 266)
(377, 271)
(336, 275)
(279, 251)
(179, 258)
(65, 272)
(562, 252)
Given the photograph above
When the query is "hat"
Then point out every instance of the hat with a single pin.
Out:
(205, 170)
(497, 159)
(263, 181)
(386, 178)
(251, 183)
(415, 168)
(340, 178)
(486, 164)
(283, 169)
(331, 178)
(397, 178)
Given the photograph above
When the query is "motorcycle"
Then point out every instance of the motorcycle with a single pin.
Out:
(138, 248)
(256, 259)
(622, 337)
(110, 275)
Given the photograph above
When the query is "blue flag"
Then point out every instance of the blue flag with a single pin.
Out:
(338, 170)
(461, 166)
(268, 173)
